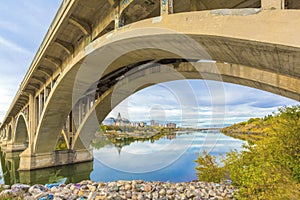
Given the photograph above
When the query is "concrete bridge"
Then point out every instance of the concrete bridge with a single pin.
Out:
(97, 53)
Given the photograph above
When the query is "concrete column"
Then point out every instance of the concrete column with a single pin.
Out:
(171, 6)
(117, 17)
(272, 4)
(79, 111)
(45, 94)
(87, 104)
(83, 108)
(32, 118)
(39, 106)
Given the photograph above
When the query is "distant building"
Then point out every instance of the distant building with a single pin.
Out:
(152, 123)
(134, 124)
(157, 124)
(119, 121)
(171, 137)
(171, 125)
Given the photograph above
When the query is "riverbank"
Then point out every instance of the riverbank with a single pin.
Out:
(136, 189)
(253, 130)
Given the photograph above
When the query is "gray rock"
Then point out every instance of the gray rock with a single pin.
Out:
(170, 192)
(5, 193)
(180, 189)
(5, 187)
(127, 186)
(128, 195)
(35, 189)
(155, 195)
(140, 197)
(135, 190)
(92, 188)
(211, 193)
(190, 194)
(92, 195)
(28, 198)
(162, 192)
(40, 195)
(22, 187)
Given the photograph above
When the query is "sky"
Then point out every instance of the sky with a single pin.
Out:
(23, 25)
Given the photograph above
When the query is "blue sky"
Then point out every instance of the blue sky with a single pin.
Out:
(23, 25)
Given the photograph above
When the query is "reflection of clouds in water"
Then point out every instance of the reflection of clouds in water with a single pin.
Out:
(145, 157)
(141, 157)
(135, 163)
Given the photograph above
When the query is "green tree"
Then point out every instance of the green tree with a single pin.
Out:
(207, 168)
(269, 168)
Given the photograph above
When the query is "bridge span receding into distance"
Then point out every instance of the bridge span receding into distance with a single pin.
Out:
(96, 53)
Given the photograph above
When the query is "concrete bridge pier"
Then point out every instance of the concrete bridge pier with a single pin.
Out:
(30, 161)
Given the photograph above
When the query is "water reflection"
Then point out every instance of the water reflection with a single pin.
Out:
(9, 165)
(113, 154)
(154, 160)
(11, 175)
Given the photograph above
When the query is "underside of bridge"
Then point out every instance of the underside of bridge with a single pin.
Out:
(97, 53)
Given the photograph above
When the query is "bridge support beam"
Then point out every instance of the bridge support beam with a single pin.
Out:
(272, 4)
(30, 161)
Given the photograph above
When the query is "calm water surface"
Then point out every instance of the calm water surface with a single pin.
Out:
(160, 158)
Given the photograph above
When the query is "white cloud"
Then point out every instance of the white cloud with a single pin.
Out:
(217, 102)
(22, 27)
(8, 45)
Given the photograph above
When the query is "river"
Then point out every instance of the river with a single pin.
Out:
(159, 158)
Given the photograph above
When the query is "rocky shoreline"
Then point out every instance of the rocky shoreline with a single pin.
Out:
(136, 190)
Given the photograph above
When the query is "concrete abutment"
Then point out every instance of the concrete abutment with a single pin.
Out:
(31, 161)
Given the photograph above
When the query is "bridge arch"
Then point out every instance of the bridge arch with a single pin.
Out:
(236, 74)
(21, 135)
(224, 44)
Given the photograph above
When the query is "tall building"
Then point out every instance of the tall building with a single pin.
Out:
(119, 121)
(171, 125)
(152, 123)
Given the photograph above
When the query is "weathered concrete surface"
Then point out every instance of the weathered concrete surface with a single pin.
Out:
(11, 147)
(75, 173)
(31, 161)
